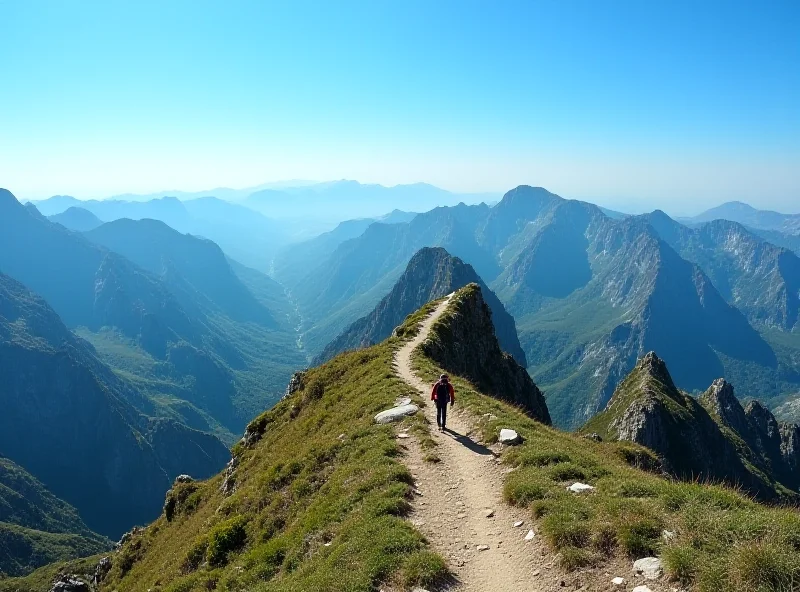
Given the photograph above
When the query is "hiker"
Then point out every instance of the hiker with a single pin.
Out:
(443, 393)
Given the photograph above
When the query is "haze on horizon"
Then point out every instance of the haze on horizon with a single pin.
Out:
(632, 105)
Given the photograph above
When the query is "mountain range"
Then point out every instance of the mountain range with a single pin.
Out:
(590, 294)
(431, 274)
(736, 211)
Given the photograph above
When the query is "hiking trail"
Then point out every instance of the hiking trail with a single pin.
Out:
(457, 494)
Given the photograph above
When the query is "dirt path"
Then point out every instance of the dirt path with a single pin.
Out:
(457, 494)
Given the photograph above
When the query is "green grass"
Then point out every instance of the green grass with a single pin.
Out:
(630, 508)
(319, 502)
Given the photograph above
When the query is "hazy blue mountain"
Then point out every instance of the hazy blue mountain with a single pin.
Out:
(293, 262)
(431, 274)
(36, 527)
(76, 218)
(242, 233)
(743, 213)
(361, 271)
(761, 279)
(780, 239)
(338, 200)
(77, 426)
(195, 269)
(190, 333)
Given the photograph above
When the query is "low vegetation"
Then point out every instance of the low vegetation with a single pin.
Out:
(710, 537)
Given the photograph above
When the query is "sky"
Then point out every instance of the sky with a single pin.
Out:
(631, 104)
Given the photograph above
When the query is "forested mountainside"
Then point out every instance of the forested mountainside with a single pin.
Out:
(81, 429)
(589, 294)
(711, 438)
(431, 274)
(36, 527)
(178, 321)
(318, 494)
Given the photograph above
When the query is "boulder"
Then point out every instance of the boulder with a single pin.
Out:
(183, 479)
(580, 488)
(509, 437)
(649, 567)
(396, 413)
(70, 584)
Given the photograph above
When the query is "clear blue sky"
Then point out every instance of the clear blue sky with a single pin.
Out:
(671, 104)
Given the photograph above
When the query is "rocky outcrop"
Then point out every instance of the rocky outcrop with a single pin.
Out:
(463, 342)
(713, 437)
(431, 274)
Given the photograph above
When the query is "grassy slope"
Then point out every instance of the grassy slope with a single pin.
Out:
(724, 541)
(299, 488)
(303, 486)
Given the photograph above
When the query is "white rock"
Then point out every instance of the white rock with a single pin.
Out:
(519, 523)
(668, 535)
(489, 513)
(530, 535)
(396, 413)
(642, 589)
(482, 547)
(579, 488)
(403, 436)
(419, 590)
(618, 582)
(509, 437)
(401, 401)
(649, 567)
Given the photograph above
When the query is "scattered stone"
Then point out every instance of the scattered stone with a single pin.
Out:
(66, 583)
(417, 492)
(396, 413)
(489, 416)
(642, 589)
(461, 516)
(580, 488)
(183, 479)
(342, 436)
(509, 437)
(649, 567)
(530, 536)
(519, 523)
(419, 590)
(403, 435)
(328, 544)
(668, 535)
(401, 401)
(618, 582)
(594, 436)
(489, 513)
(482, 547)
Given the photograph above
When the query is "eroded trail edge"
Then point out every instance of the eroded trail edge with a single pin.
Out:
(458, 494)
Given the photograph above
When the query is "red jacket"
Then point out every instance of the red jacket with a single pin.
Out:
(449, 387)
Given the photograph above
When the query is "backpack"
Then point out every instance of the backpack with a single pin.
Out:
(442, 393)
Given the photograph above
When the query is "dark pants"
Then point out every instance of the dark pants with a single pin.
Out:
(441, 414)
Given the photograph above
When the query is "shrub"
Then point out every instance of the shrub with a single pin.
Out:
(566, 472)
(224, 538)
(640, 536)
(680, 562)
(763, 566)
(564, 530)
(195, 555)
(571, 558)
(423, 568)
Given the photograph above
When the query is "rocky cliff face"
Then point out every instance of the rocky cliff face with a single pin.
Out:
(463, 342)
(71, 422)
(431, 274)
(713, 437)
